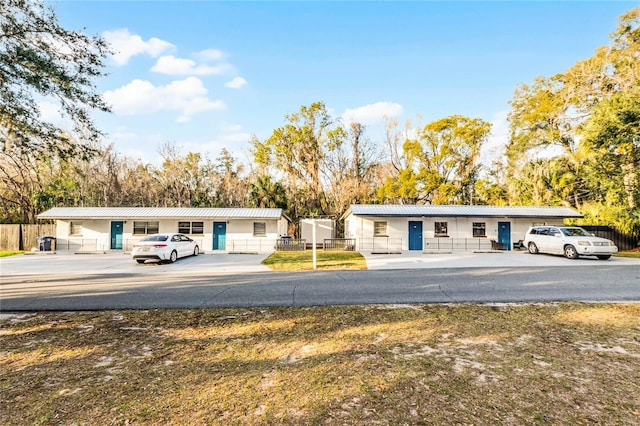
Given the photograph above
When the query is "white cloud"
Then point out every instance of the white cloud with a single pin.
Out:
(188, 97)
(493, 149)
(236, 137)
(211, 55)
(236, 83)
(125, 45)
(49, 111)
(372, 113)
(179, 66)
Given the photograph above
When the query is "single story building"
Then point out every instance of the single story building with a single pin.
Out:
(380, 227)
(118, 228)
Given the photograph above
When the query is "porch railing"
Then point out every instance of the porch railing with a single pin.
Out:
(76, 244)
(456, 244)
(339, 244)
(381, 244)
(250, 246)
(291, 244)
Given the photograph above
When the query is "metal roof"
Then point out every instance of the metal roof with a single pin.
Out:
(159, 213)
(459, 211)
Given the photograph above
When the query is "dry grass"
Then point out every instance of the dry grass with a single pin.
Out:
(419, 364)
(629, 253)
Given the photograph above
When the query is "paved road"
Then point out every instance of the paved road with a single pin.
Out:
(181, 288)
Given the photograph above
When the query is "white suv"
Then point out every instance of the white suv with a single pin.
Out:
(572, 241)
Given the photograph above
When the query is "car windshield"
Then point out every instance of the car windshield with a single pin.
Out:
(575, 232)
(155, 238)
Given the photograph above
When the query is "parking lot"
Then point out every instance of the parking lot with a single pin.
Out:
(119, 263)
(506, 259)
(225, 263)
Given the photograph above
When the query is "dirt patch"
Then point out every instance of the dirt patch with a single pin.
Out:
(413, 364)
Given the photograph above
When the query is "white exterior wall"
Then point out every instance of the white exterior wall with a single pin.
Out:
(362, 227)
(96, 233)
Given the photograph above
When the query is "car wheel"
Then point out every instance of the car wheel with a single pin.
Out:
(570, 252)
(140, 260)
(173, 256)
(196, 250)
(533, 248)
(604, 257)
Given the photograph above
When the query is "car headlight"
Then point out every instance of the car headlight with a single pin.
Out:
(611, 243)
(584, 243)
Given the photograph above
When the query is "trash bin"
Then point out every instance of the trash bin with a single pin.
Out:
(45, 243)
(283, 243)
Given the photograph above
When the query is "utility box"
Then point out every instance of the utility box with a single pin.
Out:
(325, 229)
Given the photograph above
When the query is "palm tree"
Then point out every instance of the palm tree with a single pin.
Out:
(266, 193)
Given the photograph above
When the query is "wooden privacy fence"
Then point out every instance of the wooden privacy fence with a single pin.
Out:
(23, 236)
(622, 240)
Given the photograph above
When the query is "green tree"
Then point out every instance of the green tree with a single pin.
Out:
(440, 165)
(351, 170)
(298, 150)
(266, 193)
(231, 187)
(574, 135)
(41, 60)
(613, 133)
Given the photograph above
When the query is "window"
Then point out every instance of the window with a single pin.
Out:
(75, 228)
(145, 228)
(259, 229)
(479, 229)
(191, 228)
(441, 229)
(379, 229)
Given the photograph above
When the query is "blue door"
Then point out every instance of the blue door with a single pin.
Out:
(219, 235)
(415, 235)
(116, 234)
(504, 235)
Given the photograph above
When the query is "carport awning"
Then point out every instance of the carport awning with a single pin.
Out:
(159, 213)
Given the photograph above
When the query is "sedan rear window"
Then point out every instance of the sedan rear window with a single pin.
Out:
(155, 238)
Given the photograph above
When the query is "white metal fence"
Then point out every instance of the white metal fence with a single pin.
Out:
(456, 244)
(381, 244)
(76, 244)
(393, 245)
(250, 246)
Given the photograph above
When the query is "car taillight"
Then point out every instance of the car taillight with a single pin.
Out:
(159, 245)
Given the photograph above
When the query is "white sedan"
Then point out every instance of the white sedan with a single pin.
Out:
(164, 247)
(572, 241)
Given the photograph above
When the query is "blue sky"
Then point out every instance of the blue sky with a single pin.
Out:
(205, 75)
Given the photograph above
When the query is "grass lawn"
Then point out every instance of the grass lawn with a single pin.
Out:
(302, 260)
(9, 253)
(359, 365)
(634, 254)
